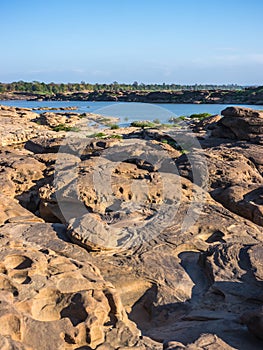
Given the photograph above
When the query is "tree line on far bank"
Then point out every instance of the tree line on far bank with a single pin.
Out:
(37, 87)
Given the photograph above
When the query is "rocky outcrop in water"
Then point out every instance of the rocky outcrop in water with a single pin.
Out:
(246, 96)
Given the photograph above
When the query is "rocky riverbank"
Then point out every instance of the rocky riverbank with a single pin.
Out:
(133, 238)
(245, 96)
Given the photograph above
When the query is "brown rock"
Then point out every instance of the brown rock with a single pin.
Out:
(17, 126)
(51, 301)
(246, 201)
(208, 123)
(44, 144)
(54, 119)
(11, 211)
(241, 112)
(241, 124)
(205, 342)
(235, 179)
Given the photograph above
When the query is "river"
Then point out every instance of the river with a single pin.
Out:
(128, 111)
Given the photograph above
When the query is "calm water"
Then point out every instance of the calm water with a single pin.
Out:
(129, 111)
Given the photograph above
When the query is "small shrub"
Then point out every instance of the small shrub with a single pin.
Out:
(156, 121)
(200, 115)
(63, 127)
(143, 124)
(114, 126)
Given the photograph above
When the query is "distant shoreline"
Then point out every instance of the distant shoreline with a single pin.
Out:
(252, 96)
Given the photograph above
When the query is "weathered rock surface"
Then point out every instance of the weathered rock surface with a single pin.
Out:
(54, 119)
(52, 300)
(206, 341)
(181, 264)
(11, 211)
(235, 175)
(17, 125)
(208, 123)
(241, 124)
(161, 278)
(19, 171)
(44, 144)
(246, 201)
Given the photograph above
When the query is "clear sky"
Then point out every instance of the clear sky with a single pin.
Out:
(151, 41)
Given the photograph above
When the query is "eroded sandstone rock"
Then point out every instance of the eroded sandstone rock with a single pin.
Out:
(197, 269)
(11, 211)
(52, 301)
(241, 124)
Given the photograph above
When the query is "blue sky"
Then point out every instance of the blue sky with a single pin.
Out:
(179, 41)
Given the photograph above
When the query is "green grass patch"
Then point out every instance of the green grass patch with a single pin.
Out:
(182, 117)
(98, 135)
(164, 125)
(114, 126)
(179, 147)
(63, 127)
(116, 136)
(200, 115)
(143, 124)
(104, 120)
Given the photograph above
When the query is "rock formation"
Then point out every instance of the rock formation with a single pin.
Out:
(252, 95)
(241, 124)
(153, 241)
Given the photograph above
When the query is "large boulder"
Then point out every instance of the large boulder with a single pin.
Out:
(234, 177)
(241, 124)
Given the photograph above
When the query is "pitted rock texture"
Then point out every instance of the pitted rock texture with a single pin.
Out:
(17, 125)
(183, 270)
(235, 177)
(19, 171)
(51, 301)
